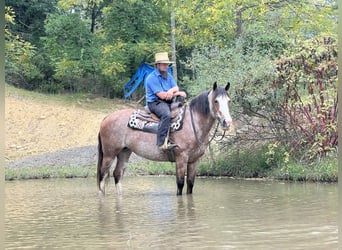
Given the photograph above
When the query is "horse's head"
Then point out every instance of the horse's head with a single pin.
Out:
(219, 105)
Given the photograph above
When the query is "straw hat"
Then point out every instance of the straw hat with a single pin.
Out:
(162, 57)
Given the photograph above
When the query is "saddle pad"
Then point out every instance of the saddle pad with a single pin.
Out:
(141, 120)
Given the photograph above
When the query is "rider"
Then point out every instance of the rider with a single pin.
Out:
(161, 88)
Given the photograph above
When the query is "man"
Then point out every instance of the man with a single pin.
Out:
(160, 89)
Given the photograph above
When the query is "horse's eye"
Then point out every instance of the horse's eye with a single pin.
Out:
(216, 101)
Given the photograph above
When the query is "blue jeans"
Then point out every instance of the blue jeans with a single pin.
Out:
(162, 110)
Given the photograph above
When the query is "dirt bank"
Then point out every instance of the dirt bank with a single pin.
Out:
(37, 126)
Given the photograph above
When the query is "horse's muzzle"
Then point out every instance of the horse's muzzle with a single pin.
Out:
(225, 124)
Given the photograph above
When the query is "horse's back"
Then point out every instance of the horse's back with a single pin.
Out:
(116, 117)
(113, 128)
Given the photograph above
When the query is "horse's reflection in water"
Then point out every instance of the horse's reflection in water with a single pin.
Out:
(186, 210)
(118, 141)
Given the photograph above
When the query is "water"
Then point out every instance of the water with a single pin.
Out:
(221, 214)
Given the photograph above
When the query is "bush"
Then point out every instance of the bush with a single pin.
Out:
(308, 82)
(237, 163)
(321, 170)
(19, 54)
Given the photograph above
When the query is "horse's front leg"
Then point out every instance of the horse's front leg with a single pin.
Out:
(180, 175)
(191, 174)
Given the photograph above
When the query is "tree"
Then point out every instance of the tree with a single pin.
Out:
(30, 17)
(19, 54)
(308, 80)
(250, 63)
(73, 50)
(204, 22)
(132, 32)
(90, 9)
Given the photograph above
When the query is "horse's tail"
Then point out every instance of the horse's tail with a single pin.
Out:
(99, 161)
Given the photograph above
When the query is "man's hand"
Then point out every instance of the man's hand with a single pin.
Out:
(165, 95)
(181, 93)
(169, 95)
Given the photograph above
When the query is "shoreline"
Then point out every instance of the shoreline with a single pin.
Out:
(81, 162)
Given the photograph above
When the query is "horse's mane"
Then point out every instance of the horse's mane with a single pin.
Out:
(200, 103)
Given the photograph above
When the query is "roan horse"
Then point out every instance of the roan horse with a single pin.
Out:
(117, 141)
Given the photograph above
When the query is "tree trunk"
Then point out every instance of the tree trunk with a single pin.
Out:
(93, 18)
(173, 45)
(238, 20)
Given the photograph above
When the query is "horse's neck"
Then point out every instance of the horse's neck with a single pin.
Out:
(203, 124)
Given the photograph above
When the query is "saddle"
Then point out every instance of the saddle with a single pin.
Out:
(146, 121)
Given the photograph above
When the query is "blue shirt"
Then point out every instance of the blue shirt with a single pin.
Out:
(156, 83)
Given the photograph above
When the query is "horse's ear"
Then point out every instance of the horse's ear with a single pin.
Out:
(227, 86)
(215, 86)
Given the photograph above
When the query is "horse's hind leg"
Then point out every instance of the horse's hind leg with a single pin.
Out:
(104, 172)
(122, 161)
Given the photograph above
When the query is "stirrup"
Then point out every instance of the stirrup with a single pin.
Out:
(167, 146)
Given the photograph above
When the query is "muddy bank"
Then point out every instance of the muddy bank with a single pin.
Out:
(80, 156)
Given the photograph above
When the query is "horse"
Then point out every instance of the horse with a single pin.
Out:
(117, 141)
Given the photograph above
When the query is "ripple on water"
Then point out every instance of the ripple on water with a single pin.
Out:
(224, 214)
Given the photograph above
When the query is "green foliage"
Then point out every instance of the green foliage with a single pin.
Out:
(19, 56)
(246, 164)
(202, 22)
(135, 22)
(265, 41)
(72, 49)
(111, 60)
(30, 17)
(153, 168)
(308, 81)
(271, 161)
(133, 31)
(320, 170)
(66, 36)
(277, 155)
(294, 98)
(128, 32)
(248, 71)
(43, 172)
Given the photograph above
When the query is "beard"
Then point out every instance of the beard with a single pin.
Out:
(164, 74)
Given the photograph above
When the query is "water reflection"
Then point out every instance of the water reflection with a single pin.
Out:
(222, 213)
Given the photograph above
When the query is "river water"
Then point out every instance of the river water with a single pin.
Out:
(220, 214)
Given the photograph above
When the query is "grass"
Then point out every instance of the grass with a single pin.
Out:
(43, 172)
(323, 171)
(142, 168)
(236, 163)
(153, 168)
(241, 165)
(254, 165)
(83, 100)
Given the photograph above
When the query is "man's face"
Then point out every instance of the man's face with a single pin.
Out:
(162, 66)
